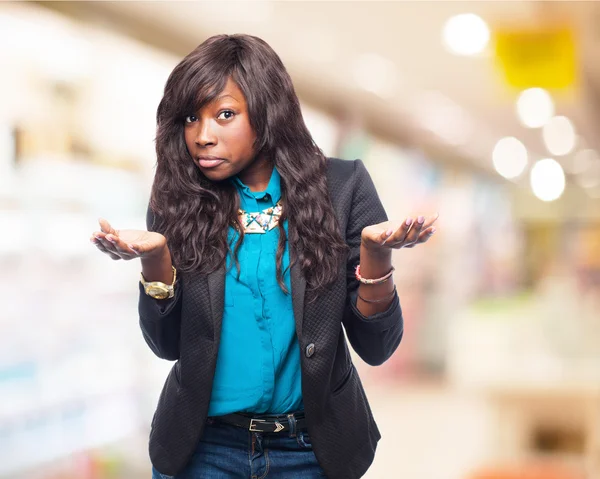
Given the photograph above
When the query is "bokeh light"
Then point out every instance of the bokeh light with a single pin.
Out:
(559, 135)
(547, 179)
(535, 107)
(509, 157)
(465, 34)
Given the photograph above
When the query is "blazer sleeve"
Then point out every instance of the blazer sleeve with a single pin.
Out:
(160, 319)
(374, 338)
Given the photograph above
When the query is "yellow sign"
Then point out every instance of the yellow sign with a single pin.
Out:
(543, 58)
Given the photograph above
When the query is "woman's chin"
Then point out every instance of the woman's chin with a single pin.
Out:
(216, 174)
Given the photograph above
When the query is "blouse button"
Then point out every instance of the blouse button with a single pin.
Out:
(310, 350)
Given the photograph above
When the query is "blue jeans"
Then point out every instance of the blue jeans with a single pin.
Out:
(227, 452)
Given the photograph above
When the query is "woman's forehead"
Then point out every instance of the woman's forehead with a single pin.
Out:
(231, 91)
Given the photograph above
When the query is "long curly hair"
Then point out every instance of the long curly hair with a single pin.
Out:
(194, 213)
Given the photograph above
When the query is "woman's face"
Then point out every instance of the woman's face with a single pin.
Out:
(219, 136)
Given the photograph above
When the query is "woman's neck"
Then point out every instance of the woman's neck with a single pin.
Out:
(257, 175)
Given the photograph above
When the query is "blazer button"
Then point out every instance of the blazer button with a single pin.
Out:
(310, 350)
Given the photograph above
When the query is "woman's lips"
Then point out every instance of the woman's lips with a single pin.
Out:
(209, 161)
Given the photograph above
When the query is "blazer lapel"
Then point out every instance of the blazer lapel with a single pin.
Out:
(216, 293)
(298, 290)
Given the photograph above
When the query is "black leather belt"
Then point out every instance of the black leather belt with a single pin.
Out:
(264, 423)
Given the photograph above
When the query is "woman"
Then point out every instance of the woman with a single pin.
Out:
(258, 249)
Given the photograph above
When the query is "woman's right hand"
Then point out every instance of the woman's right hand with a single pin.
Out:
(128, 244)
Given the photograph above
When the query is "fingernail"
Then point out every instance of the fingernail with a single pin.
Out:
(420, 219)
(389, 232)
(110, 238)
(98, 237)
(433, 230)
(132, 247)
(409, 221)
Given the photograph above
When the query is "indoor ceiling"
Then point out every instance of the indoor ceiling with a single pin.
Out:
(321, 43)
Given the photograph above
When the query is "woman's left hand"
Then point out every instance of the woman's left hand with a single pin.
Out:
(394, 235)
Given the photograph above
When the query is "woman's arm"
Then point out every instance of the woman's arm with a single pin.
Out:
(374, 329)
(160, 319)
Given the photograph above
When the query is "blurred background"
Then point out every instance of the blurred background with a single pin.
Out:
(487, 112)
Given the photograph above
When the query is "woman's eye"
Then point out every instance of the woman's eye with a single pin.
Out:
(190, 119)
(226, 115)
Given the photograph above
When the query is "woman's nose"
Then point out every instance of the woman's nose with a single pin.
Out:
(205, 136)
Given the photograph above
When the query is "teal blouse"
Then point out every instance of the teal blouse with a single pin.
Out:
(258, 363)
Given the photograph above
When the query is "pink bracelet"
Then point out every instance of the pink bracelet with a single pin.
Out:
(383, 279)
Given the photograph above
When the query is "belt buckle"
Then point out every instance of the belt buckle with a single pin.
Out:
(252, 427)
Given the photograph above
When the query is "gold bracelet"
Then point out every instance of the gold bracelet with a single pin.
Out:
(382, 300)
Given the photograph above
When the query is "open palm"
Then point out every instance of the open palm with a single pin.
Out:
(407, 234)
(127, 244)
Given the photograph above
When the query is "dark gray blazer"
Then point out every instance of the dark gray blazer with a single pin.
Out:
(343, 432)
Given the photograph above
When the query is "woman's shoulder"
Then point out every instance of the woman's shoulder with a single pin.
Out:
(345, 169)
(348, 179)
(347, 172)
